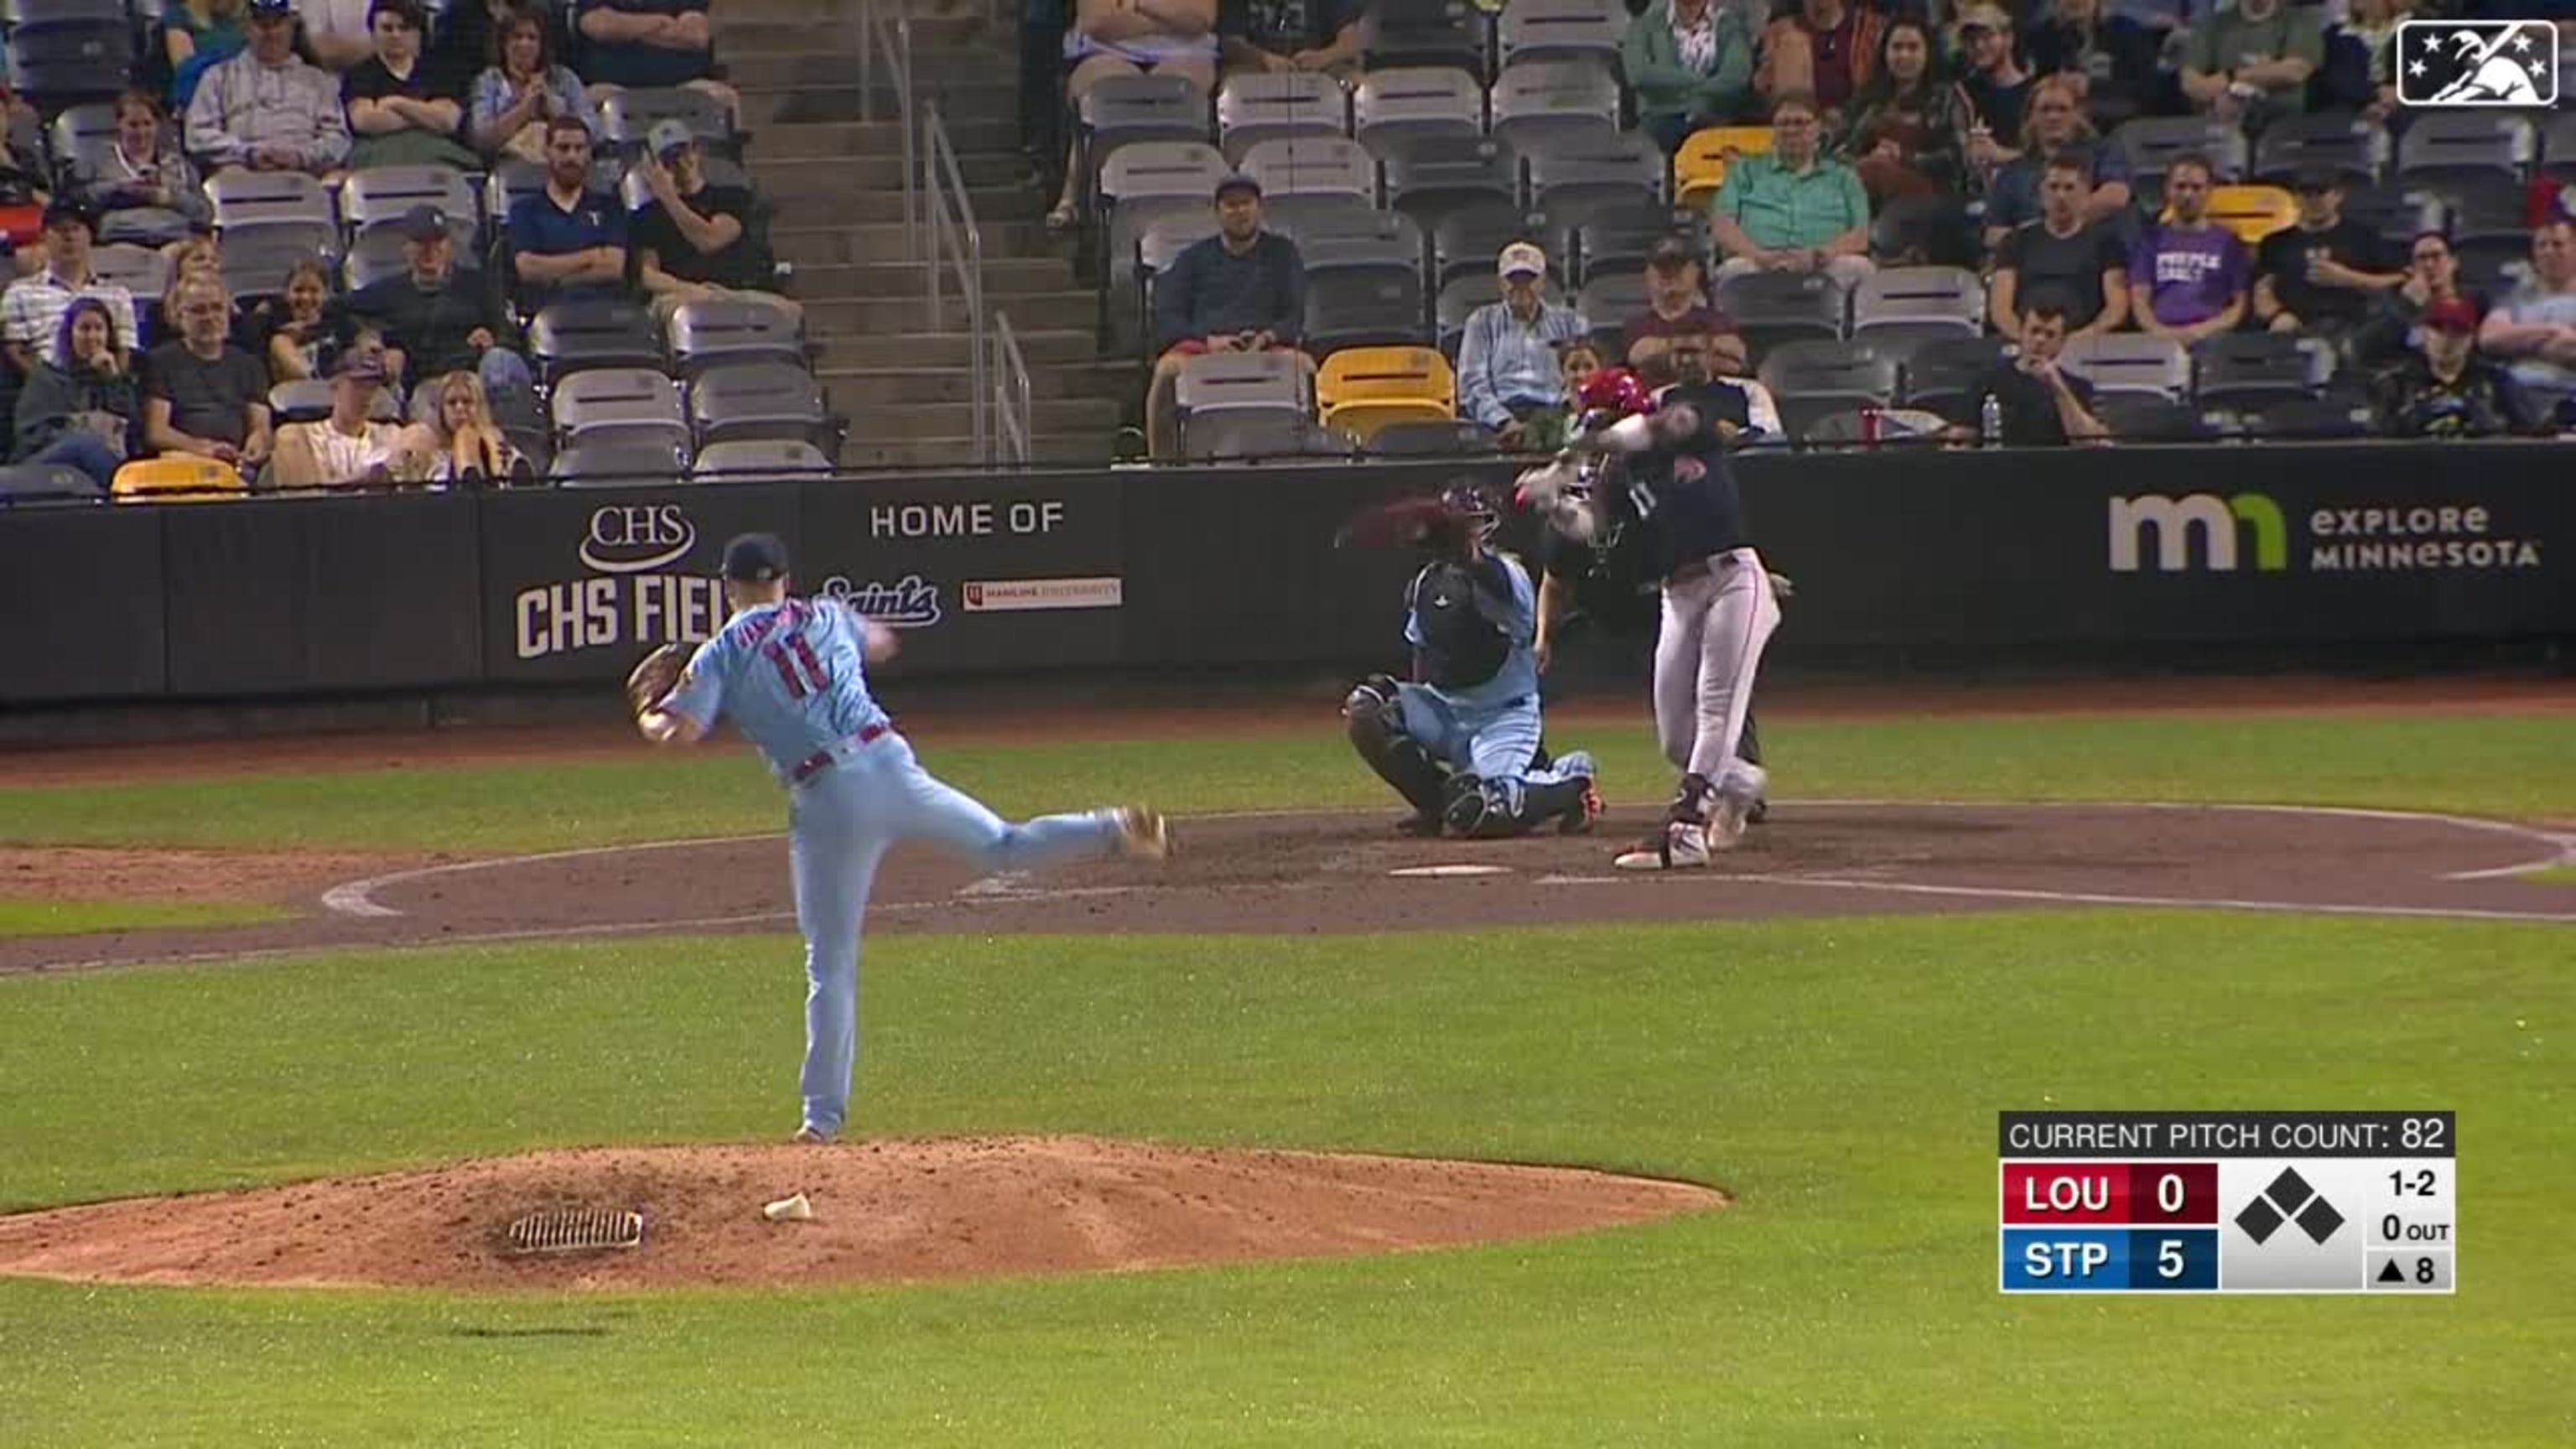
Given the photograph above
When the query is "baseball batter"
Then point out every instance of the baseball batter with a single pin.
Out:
(1666, 497)
(1460, 741)
(791, 674)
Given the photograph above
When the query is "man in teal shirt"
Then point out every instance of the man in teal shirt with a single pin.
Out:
(1793, 210)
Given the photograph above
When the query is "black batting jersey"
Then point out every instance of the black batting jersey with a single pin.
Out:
(1678, 501)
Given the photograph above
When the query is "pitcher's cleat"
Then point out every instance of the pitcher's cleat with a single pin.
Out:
(810, 1135)
(1681, 846)
(1141, 833)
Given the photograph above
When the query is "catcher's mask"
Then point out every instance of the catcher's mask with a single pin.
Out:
(1476, 508)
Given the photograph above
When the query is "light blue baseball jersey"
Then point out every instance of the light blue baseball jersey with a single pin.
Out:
(791, 676)
(1518, 676)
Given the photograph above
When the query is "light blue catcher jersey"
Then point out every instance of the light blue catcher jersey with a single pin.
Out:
(791, 676)
(1518, 676)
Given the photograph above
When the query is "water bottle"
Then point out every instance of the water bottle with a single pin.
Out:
(1990, 421)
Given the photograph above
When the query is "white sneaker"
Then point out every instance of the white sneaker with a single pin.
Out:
(1142, 833)
(1742, 790)
(1681, 847)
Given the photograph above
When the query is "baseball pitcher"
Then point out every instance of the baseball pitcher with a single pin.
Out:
(791, 674)
(1460, 740)
(1663, 497)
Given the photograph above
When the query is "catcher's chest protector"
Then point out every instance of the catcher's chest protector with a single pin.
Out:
(1461, 647)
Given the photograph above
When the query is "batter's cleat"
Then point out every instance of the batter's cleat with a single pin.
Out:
(1141, 833)
(810, 1135)
(1419, 827)
(1680, 846)
(1736, 797)
(1760, 814)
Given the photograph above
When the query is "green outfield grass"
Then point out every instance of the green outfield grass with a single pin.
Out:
(2509, 766)
(72, 917)
(1840, 1076)
(2556, 875)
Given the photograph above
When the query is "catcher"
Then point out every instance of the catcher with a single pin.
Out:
(1460, 740)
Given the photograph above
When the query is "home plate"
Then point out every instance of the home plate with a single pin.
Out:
(1443, 871)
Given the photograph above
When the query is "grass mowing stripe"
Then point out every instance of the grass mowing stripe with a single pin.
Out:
(1841, 1076)
(22, 917)
(2506, 766)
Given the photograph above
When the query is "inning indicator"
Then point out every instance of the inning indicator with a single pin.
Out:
(2228, 1202)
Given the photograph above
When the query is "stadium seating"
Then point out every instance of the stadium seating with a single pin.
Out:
(1411, 33)
(758, 461)
(1620, 237)
(627, 115)
(1290, 166)
(1416, 101)
(1938, 375)
(2144, 417)
(64, 52)
(2137, 362)
(1428, 173)
(1221, 383)
(1459, 297)
(570, 337)
(377, 198)
(1452, 437)
(2356, 147)
(1699, 168)
(2241, 367)
(1901, 305)
(1361, 241)
(1555, 98)
(29, 483)
(2447, 144)
(1573, 175)
(760, 401)
(1770, 308)
(2309, 418)
(1247, 435)
(620, 463)
(1813, 378)
(721, 332)
(1467, 238)
(1538, 30)
(1365, 310)
(179, 478)
(1363, 389)
(624, 403)
(1253, 107)
(2253, 212)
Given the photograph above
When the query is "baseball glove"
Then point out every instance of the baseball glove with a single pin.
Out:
(653, 679)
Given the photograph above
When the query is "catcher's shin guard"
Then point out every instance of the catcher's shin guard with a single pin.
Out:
(1376, 724)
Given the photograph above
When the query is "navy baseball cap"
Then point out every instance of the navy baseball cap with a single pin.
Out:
(755, 558)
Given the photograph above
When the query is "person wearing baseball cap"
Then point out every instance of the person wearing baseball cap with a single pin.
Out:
(352, 447)
(32, 309)
(2448, 389)
(267, 108)
(2320, 276)
(1241, 290)
(1677, 307)
(438, 316)
(1508, 375)
(697, 240)
(1995, 82)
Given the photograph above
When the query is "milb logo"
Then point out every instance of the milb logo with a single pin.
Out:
(2218, 522)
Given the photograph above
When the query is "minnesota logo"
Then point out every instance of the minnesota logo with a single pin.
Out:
(2477, 63)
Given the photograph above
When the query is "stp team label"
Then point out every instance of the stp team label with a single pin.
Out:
(2229, 1202)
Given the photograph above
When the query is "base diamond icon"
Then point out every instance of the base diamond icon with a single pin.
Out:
(2320, 1221)
(2259, 1220)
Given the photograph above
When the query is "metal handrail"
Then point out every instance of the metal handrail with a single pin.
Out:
(1011, 421)
(955, 239)
(875, 36)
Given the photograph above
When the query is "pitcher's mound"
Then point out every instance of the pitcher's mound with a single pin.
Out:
(882, 1211)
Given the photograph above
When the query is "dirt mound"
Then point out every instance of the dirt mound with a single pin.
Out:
(115, 873)
(883, 1211)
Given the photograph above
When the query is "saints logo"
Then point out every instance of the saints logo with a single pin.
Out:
(2477, 63)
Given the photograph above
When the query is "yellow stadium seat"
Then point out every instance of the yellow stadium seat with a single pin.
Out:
(180, 478)
(2252, 212)
(1362, 389)
(1699, 167)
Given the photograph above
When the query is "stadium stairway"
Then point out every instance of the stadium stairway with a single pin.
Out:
(835, 186)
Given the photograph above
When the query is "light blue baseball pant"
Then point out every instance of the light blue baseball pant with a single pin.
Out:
(840, 825)
(1496, 743)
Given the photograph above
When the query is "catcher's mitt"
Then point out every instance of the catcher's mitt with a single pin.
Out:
(653, 679)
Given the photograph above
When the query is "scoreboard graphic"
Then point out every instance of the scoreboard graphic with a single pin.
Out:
(2228, 1202)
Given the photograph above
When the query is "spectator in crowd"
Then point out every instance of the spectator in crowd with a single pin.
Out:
(462, 35)
(339, 35)
(1743, 409)
(466, 448)
(266, 108)
(1131, 37)
(1509, 378)
(698, 241)
(2252, 59)
(1997, 84)
(1677, 306)
(2535, 324)
(1824, 50)
(1691, 65)
(2321, 275)
(143, 189)
(352, 447)
(1241, 290)
(2042, 404)
(199, 257)
(649, 44)
(197, 36)
(567, 240)
(79, 405)
(2445, 389)
(202, 395)
(2108, 60)
(1281, 35)
(1578, 360)
(2359, 71)
(2072, 267)
(438, 317)
(1906, 131)
(304, 337)
(1793, 210)
(2187, 276)
(401, 112)
(2054, 125)
(2432, 273)
(523, 90)
(31, 311)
